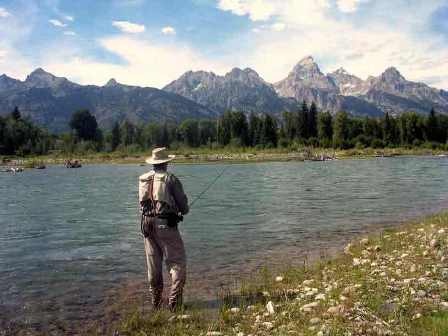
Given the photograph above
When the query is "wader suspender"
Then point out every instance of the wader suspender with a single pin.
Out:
(148, 213)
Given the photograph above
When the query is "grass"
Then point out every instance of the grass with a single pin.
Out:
(392, 283)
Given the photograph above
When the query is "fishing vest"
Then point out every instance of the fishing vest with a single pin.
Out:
(162, 198)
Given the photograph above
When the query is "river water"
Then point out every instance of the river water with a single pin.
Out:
(68, 237)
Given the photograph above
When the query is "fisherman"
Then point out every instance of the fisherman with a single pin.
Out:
(163, 203)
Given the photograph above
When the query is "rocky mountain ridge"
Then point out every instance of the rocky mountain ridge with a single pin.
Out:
(50, 100)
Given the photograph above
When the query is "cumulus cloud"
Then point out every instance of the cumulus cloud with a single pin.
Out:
(168, 30)
(391, 35)
(129, 27)
(4, 13)
(257, 10)
(279, 26)
(69, 33)
(145, 63)
(69, 18)
(348, 6)
(57, 23)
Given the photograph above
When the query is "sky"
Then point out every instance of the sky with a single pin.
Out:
(153, 42)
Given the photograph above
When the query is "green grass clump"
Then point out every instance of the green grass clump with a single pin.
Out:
(391, 283)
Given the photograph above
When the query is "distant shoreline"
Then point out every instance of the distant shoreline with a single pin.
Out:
(222, 156)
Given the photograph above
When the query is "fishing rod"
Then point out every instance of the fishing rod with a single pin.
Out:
(208, 186)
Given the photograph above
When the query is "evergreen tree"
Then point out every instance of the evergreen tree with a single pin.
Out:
(207, 131)
(84, 124)
(239, 128)
(164, 139)
(128, 133)
(189, 129)
(116, 135)
(289, 125)
(432, 127)
(341, 130)
(325, 128)
(15, 114)
(269, 132)
(312, 121)
(302, 122)
(225, 129)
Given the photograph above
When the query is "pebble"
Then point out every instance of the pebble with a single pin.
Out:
(270, 308)
(235, 310)
(309, 306)
(279, 278)
(320, 297)
(315, 320)
(364, 241)
(335, 310)
(268, 325)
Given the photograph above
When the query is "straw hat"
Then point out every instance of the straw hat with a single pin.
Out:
(159, 155)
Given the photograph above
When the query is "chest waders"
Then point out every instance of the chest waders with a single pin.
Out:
(162, 242)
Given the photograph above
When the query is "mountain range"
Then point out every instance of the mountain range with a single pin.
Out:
(50, 100)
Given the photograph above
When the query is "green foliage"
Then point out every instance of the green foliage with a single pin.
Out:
(85, 125)
(19, 136)
(325, 129)
(341, 130)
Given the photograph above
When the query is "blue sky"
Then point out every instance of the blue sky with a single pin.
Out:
(151, 42)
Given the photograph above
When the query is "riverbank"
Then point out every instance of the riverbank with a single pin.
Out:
(391, 283)
(239, 155)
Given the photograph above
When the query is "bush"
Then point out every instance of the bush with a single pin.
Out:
(377, 143)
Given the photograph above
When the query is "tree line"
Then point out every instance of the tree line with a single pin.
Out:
(305, 126)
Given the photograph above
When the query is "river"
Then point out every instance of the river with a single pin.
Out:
(70, 237)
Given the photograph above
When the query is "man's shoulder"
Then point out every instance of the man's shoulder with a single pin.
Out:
(146, 176)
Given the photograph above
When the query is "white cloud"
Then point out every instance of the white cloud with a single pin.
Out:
(145, 63)
(348, 6)
(57, 23)
(389, 36)
(278, 27)
(4, 13)
(69, 18)
(168, 30)
(258, 10)
(69, 33)
(129, 27)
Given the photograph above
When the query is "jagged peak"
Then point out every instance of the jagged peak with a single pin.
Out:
(112, 82)
(392, 72)
(242, 72)
(308, 60)
(40, 72)
(306, 64)
(341, 71)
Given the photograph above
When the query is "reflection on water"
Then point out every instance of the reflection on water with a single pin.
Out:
(69, 236)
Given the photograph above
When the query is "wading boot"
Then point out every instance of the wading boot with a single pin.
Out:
(175, 304)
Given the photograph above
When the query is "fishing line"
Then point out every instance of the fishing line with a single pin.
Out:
(208, 186)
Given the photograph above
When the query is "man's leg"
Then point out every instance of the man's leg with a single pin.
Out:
(175, 258)
(155, 273)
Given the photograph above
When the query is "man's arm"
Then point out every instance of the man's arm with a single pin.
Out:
(179, 195)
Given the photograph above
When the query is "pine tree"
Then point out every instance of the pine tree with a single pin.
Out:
(269, 132)
(312, 121)
(325, 128)
(432, 127)
(341, 130)
(15, 114)
(302, 122)
(115, 140)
